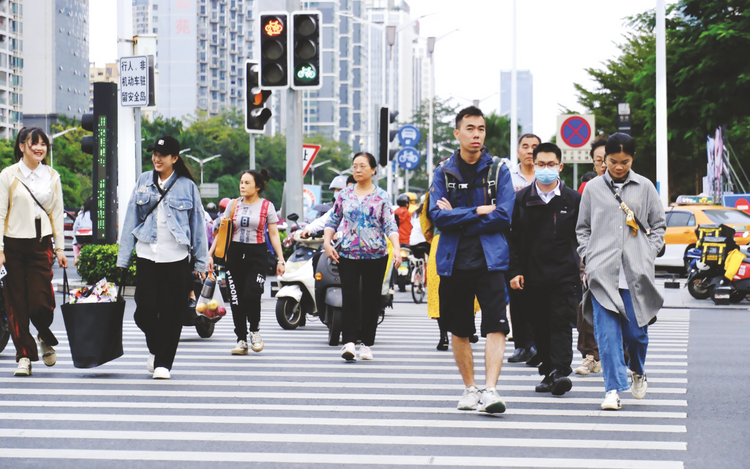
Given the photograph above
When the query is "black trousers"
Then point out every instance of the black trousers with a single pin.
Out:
(246, 280)
(520, 316)
(161, 297)
(28, 293)
(361, 307)
(553, 314)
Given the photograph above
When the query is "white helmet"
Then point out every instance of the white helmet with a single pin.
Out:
(339, 182)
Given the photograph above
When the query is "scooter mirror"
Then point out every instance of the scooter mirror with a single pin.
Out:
(293, 216)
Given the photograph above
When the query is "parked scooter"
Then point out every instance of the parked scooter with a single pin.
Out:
(717, 269)
(296, 296)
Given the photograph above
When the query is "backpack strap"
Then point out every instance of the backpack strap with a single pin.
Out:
(263, 219)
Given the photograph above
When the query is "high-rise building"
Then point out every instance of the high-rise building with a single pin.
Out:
(108, 74)
(144, 16)
(11, 66)
(525, 102)
(55, 60)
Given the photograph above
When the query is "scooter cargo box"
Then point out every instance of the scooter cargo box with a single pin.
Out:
(722, 294)
(710, 230)
(714, 250)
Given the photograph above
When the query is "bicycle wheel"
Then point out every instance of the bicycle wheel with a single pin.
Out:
(418, 290)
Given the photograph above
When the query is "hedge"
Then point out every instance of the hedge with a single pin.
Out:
(97, 261)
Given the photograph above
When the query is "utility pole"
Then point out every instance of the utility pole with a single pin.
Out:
(293, 199)
(662, 163)
(126, 146)
(514, 95)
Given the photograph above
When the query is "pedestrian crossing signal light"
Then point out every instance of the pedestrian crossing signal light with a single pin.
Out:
(256, 113)
(274, 51)
(386, 136)
(306, 33)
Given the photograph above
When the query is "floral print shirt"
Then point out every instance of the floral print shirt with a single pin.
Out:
(365, 225)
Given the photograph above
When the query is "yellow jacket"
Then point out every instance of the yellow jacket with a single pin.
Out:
(18, 208)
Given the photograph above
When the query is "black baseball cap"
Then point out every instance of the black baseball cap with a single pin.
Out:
(166, 145)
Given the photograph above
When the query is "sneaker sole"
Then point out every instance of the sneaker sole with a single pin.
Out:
(611, 407)
(50, 360)
(496, 408)
(467, 408)
(581, 372)
(562, 386)
(349, 356)
(22, 373)
(239, 352)
(256, 350)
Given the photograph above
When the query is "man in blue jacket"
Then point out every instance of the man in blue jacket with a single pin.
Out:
(473, 254)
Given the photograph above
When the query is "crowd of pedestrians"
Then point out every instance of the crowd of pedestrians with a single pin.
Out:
(496, 238)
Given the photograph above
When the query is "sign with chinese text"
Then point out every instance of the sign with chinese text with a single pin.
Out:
(134, 81)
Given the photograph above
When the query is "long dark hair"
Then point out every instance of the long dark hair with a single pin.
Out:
(33, 134)
(88, 205)
(261, 178)
(182, 170)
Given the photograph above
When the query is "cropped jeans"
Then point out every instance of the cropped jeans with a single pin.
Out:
(614, 333)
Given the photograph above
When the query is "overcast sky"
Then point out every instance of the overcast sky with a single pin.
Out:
(557, 40)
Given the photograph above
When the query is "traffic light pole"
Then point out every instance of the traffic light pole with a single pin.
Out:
(293, 199)
(252, 151)
(126, 146)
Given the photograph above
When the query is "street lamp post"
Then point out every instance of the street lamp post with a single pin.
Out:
(316, 165)
(202, 162)
(431, 50)
(59, 134)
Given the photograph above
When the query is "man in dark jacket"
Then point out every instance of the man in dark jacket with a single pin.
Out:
(544, 263)
(472, 255)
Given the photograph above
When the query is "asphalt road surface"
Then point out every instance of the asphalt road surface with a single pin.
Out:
(298, 404)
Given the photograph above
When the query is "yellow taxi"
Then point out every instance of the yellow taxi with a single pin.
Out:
(684, 216)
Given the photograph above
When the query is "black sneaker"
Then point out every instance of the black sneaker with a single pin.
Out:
(545, 385)
(560, 384)
(518, 356)
(443, 344)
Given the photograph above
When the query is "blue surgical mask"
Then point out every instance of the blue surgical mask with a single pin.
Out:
(546, 175)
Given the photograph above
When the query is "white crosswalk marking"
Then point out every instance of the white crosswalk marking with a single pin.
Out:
(298, 404)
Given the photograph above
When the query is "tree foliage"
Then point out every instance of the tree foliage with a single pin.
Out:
(708, 84)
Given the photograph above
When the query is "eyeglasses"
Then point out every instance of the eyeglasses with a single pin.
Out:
(361, 167)
(598, 162)
(547, 165)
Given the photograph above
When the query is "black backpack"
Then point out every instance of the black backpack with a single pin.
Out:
(452, 183)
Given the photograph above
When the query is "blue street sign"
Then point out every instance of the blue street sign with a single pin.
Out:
(409, 136)
(409, 158)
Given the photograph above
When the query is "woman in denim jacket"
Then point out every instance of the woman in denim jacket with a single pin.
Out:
(167, 239)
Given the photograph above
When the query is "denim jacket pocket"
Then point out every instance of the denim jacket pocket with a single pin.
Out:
(180, 204)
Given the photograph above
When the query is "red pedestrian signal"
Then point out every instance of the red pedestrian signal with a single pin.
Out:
(274, 51)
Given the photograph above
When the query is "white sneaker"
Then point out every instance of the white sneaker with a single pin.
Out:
(348, 352)
(611, 401)
(240, 348)
(150, 362)
(639, 386)
(589, 365)
(161, 373)
(49, 356)
(469, 400)
(364, 352)
(256, 341)
(490, 402)
(24, 367)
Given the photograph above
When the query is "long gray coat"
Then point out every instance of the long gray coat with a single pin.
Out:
(605, 243)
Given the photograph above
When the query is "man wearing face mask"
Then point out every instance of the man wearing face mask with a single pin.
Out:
(544, 264)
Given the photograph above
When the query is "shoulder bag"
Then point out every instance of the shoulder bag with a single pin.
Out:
(224, 236)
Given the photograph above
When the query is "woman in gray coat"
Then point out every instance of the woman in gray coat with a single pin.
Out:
(618, 241)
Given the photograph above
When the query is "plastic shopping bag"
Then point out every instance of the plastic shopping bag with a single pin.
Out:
(210, 303)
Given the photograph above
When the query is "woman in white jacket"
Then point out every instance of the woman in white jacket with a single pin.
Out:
(31, 215)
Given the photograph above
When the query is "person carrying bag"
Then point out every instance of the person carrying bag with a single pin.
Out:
(31, 216)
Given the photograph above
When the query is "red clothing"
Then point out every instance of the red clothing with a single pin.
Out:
(404, 225)
(580, 188)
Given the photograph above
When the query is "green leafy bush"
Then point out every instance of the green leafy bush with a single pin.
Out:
(97, 261)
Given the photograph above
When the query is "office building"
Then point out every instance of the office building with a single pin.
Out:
(55, 60)
(525, 90)
(108, 74)
(11, 66)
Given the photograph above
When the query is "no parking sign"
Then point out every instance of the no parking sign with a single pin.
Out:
(575, 132)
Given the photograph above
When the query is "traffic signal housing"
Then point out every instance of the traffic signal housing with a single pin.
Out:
(385, 154)
(256, 113)
(306, 35)
(274, 50)
(103, 147)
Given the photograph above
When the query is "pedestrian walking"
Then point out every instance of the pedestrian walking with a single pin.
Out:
(544, 264)
(364, 214)
(164, 223)
(472, 255)
(82, 228)
(31, 214)
(586, 339)
(247, 259)
(620, 231)
(520, 314)
(403, 219)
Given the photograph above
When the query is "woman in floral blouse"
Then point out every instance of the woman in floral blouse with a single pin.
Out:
(366, 218)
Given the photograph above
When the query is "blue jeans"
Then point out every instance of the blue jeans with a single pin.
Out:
(610, 328)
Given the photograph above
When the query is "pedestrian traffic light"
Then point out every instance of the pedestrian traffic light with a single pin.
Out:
(256, 113)
(306, 50)
(274, 51)
(103, 146)
(386, 136)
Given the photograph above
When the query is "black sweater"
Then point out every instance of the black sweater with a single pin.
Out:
(543, 238)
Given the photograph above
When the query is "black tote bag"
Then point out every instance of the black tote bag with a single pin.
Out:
(94, 329)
